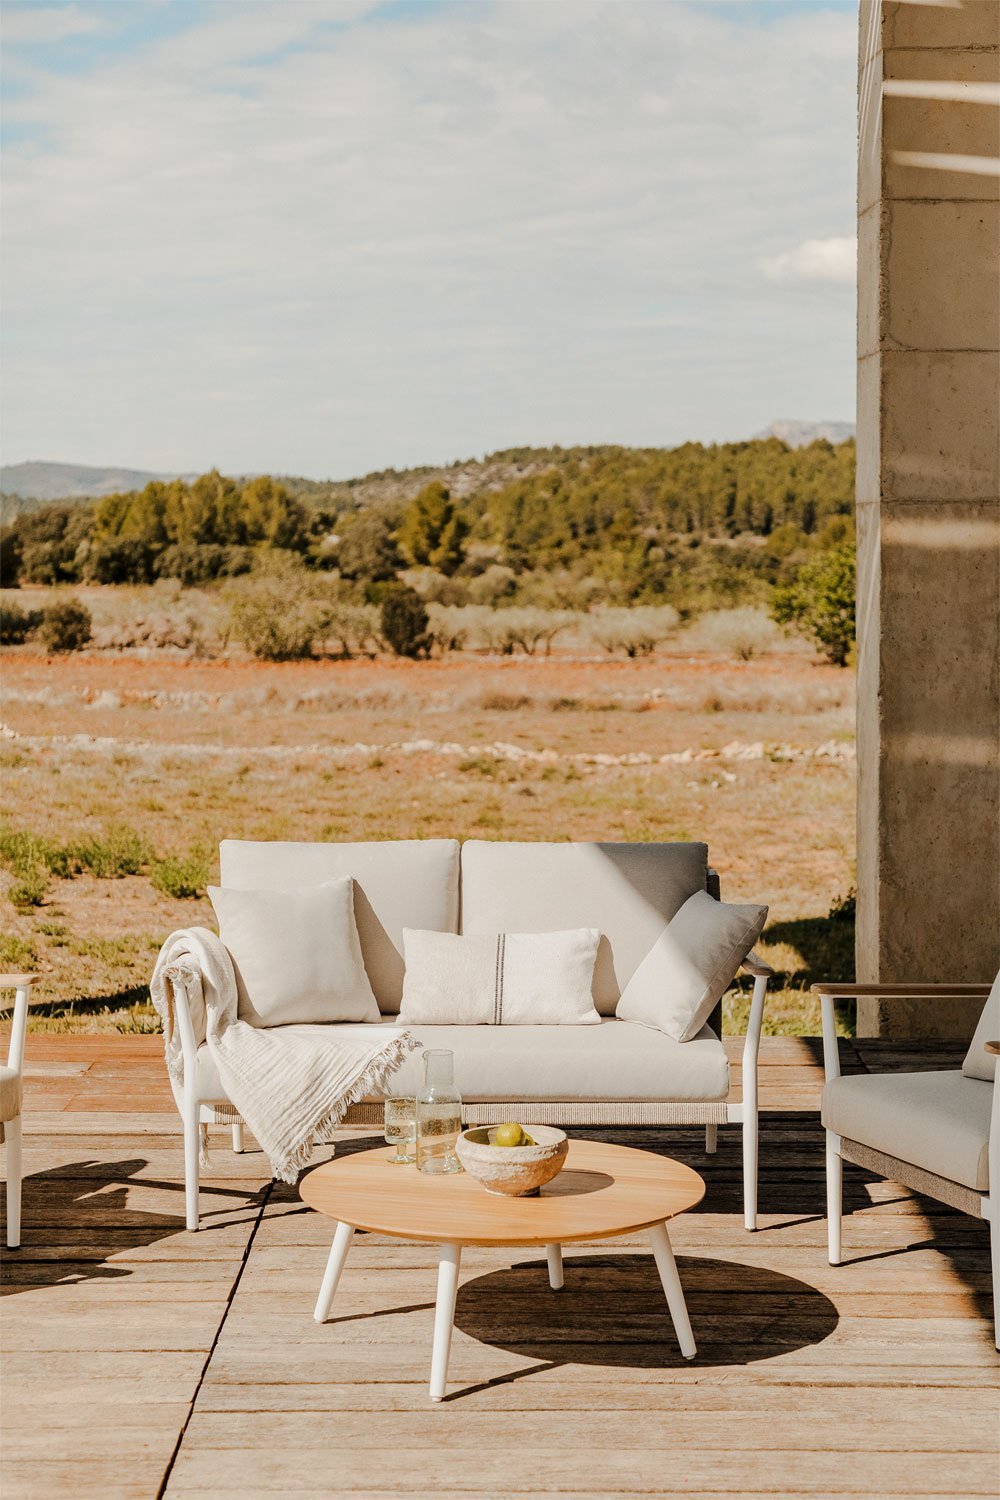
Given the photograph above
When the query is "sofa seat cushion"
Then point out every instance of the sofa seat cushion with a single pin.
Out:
(613, 1061)
(10, 1093)
(629, 891)
(397, 883)
(937, 1121)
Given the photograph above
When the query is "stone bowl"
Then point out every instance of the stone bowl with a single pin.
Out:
(513, 1171)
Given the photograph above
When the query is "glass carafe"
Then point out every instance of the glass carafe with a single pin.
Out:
(439, 1115)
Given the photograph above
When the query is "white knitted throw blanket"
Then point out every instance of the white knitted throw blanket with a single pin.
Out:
(291, 1090)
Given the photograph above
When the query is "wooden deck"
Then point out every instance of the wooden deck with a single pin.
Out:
(140, 1360)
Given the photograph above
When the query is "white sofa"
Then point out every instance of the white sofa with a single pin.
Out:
(618, 1073)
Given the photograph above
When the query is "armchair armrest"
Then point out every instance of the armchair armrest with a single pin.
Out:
(757, 967)
(21, 984)
(915, 990)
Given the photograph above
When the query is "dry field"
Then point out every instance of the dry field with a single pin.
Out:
(754, 757)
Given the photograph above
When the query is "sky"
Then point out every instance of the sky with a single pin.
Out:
(324, 237)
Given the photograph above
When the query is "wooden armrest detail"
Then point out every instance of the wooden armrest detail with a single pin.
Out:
(993, 1047)
(17, 981)
(757, 967)
(918, 990)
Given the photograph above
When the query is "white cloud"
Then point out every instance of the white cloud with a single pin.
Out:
(35, 24)
(416, 237)
(831, 260)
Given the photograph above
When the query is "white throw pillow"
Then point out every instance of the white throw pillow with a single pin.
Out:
(978, 1062)
(296, 954)
(501, 979)
(691, 965)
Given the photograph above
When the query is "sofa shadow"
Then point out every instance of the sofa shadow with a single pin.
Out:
(76, 1217)
(611, 1312)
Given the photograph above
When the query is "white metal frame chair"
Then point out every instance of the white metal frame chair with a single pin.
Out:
(10, 1127)
(866, 1154)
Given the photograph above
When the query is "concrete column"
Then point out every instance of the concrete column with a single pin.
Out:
(928, 493)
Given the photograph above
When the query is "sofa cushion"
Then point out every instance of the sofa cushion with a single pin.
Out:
(499, 979)
(937, 1121)
(612, 1061)
(10, 1093)
(397, 883)
(629, 891)
(978, 1062)
(691, 965)
(296, 954)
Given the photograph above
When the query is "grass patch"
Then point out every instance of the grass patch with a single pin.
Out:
(182, 878)
(122, 851)
(16, 953)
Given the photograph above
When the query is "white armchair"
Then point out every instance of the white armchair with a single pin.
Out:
(11, 1093)
(935, 1132)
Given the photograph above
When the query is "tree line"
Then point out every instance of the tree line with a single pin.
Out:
(629, 525)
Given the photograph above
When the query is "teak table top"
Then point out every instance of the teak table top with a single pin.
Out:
(601, 1192)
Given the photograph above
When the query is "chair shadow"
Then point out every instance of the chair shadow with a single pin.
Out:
(612, 1312)
(78, 1247)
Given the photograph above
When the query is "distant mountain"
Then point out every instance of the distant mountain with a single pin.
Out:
(44, 481)
(801, 434)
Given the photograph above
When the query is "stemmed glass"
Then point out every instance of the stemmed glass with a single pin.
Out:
(401, 1129)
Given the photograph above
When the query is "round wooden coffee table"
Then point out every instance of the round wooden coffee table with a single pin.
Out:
(603, 1191)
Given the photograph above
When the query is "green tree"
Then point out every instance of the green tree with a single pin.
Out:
(404, 622)
(368, 549)
(433, 530)
(821, 603)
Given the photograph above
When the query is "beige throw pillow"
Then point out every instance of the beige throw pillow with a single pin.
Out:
(691, 965)
(296, 954)
(499, 979)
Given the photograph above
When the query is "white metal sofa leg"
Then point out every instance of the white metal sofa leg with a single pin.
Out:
(751, 1048)
(12, 1145)
(995, 1267)
(238, 1137)
(192, 1143)
(834, 1196)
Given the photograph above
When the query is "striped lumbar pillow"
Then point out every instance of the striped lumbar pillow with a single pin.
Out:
(501, 979)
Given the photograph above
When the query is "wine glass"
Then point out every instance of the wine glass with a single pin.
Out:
(401, 1128)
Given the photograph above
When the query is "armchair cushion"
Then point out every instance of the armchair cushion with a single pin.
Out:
(978, 1062)
(937, 1121)
(10, 1093)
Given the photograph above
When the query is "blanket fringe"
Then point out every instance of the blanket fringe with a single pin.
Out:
(371, 1081)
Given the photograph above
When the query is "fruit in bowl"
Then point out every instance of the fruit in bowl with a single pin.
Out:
(513, 1160)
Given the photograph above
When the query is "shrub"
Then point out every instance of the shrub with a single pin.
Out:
(121, 851)
(183, 879)
(743, 633)
(16, 624)
(193, 563)
(821, 603)
(16, 954)
(29, 890)
(121, 560)
(65, 626)
(274, 618)
(636, 632)
(404, 623)
(10, 560)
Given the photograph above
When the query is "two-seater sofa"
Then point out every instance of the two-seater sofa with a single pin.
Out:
(617, 1073)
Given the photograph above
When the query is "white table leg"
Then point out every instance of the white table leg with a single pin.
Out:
(667, 1267)
(331, 1276)
(444, 1317)
(554, 1253)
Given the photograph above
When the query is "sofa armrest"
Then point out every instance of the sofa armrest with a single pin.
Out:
(757, 967)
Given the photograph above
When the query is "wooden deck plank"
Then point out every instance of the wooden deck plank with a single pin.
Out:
(875, 1378)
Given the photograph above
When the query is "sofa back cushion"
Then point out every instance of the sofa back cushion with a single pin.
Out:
(978, 1062)
(397, 883)
(628, 891)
